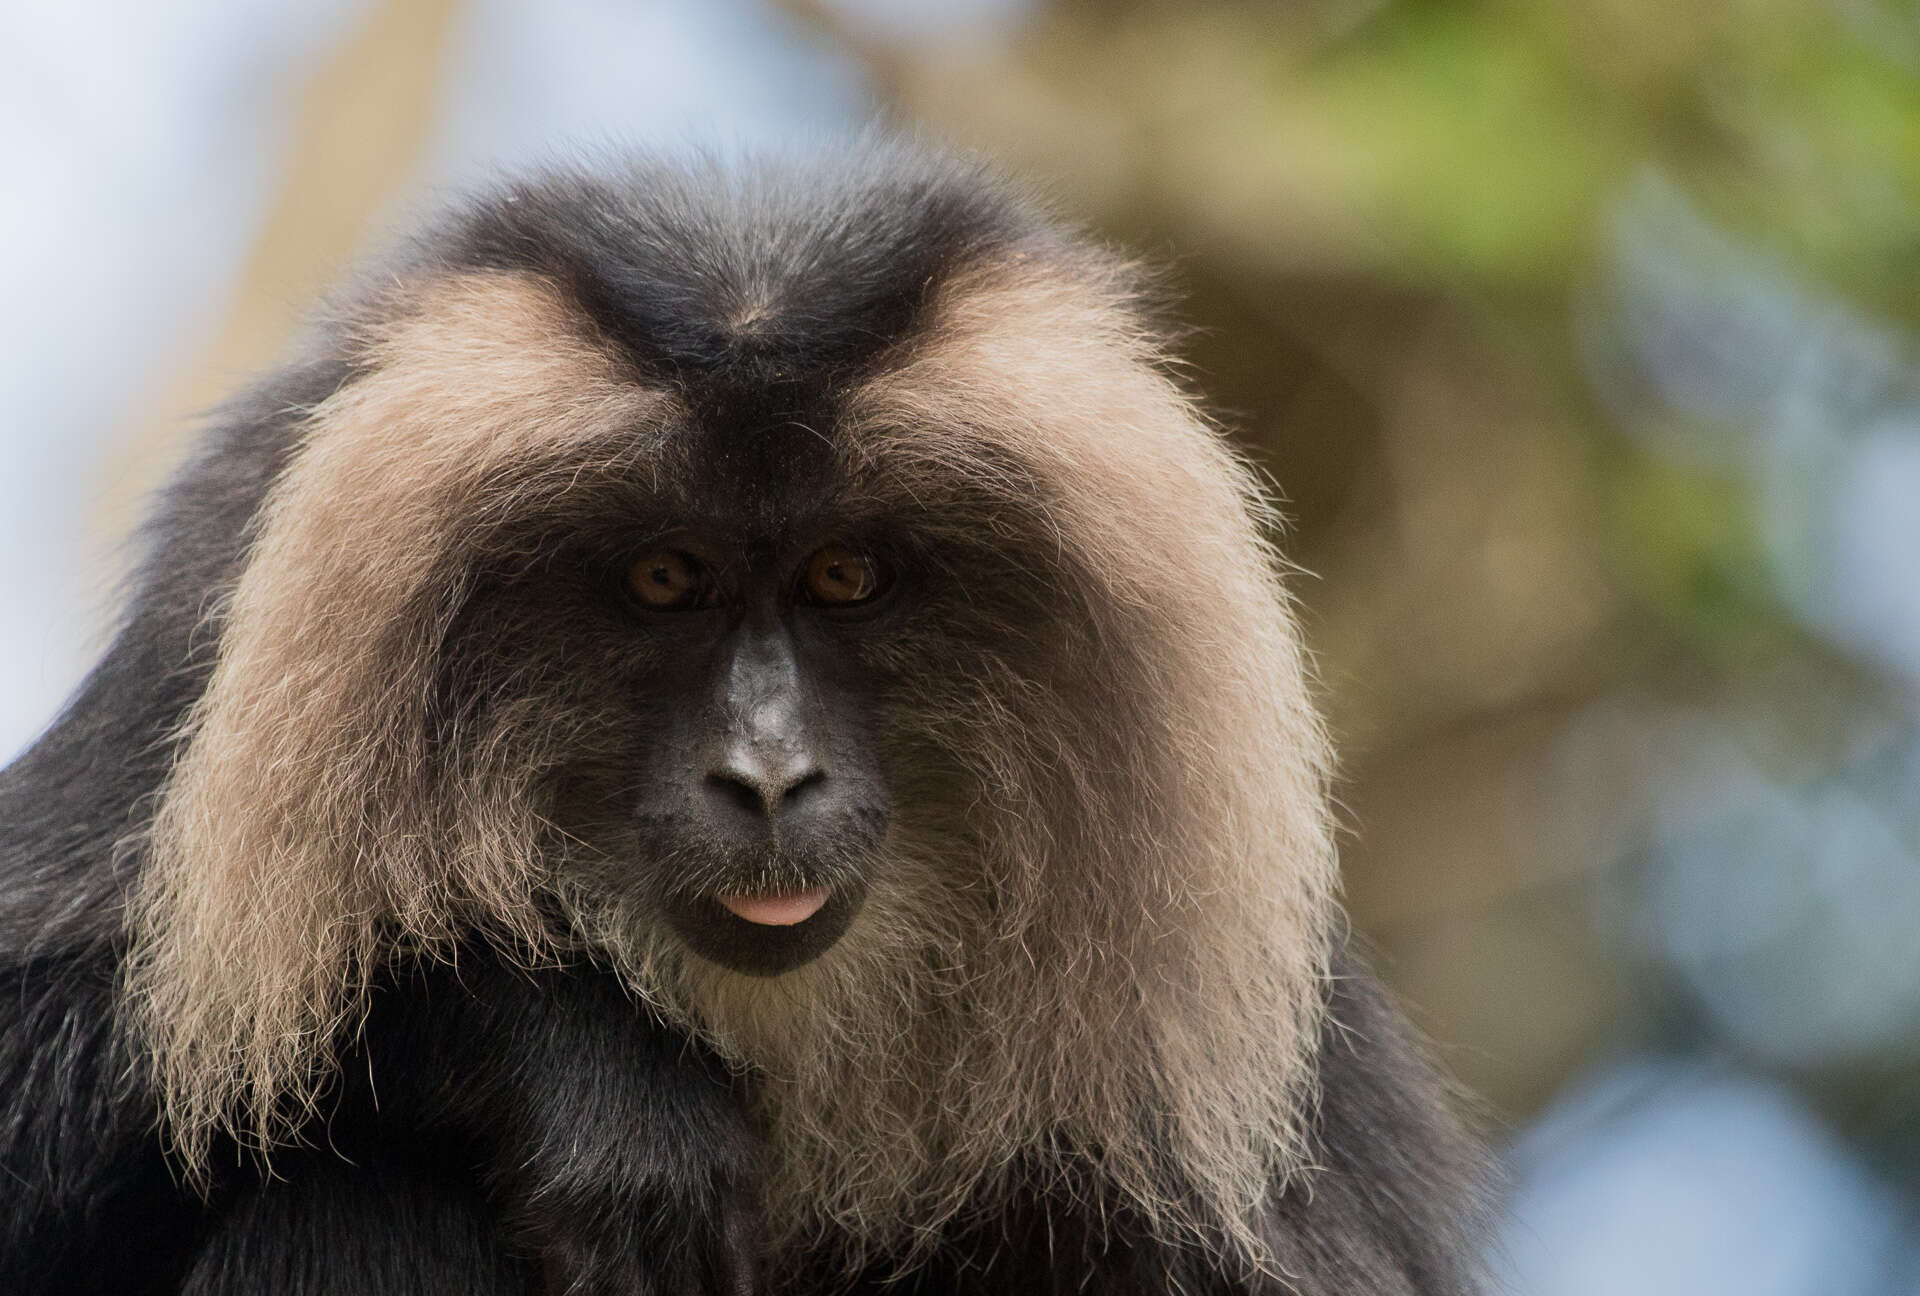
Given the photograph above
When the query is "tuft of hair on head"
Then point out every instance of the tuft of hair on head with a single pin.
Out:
(1140, 985)
(311, 824)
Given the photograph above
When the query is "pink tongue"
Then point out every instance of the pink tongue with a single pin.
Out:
(778, 910)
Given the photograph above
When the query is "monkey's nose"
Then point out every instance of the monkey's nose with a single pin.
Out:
(764, 783)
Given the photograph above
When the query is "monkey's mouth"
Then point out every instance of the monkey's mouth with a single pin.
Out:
(765, 933)
(777, 908)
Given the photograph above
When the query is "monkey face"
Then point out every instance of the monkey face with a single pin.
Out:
(759, 800)
(756, 695)
(702, 671)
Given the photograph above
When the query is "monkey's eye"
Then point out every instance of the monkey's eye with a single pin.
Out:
(838, 576)
(667, 580)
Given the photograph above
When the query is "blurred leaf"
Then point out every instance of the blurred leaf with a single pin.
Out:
(1688, 545)
(1467, 139)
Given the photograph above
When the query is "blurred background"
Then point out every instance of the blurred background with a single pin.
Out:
(1580, 339)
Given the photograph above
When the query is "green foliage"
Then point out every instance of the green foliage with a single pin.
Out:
(1484, 141)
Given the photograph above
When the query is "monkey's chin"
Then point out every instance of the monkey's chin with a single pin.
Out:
(778, 937)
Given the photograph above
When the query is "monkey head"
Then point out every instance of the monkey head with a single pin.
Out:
(806, 592)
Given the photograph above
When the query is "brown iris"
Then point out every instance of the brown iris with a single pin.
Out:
(838, 576)
(666, 579)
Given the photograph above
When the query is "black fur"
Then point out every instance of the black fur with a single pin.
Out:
(500, 1130)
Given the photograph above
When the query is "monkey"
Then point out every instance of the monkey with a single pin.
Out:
(720, 727)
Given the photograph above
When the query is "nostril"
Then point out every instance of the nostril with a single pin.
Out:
(805, 783)
(737, 793)
(763, 793)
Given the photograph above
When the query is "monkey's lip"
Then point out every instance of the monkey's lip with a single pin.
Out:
(777, 908)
